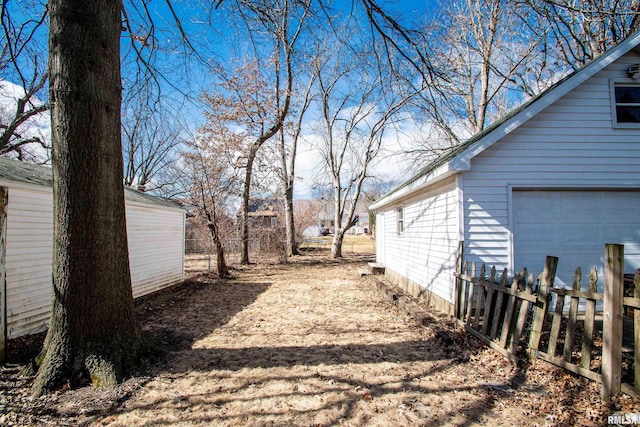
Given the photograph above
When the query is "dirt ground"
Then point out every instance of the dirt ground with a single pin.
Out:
(310, 343)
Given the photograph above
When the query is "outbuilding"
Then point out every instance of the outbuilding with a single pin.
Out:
(558, 176)
(155, 232)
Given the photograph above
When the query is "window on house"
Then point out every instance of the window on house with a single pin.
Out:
(399, 220)
(274, 222)
(626, 98)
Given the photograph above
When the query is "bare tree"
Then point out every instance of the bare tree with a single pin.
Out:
(262, 109)
(356, 111)
(577, 31)
(485, 68)
(214, 181)
(23, 62)
(288, 140)
(151, 142)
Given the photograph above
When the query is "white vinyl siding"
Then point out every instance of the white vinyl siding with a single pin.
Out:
(155, 238)
(155, 235)
(380, 237)
(569, 145)
(28, 260)
(575, 226)
(425, 252)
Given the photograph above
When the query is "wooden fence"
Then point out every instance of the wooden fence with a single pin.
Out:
(524, 317)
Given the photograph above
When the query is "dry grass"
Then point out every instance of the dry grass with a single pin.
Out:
(311, 343)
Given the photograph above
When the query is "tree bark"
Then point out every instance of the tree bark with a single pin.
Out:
(244, 214)
(92, 332)
(221, 265)
(291, 245)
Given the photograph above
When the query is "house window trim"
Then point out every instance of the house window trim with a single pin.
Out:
(400, 220)
(614, 114)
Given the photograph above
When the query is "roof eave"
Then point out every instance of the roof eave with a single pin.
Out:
(545, 100)
(439, 174)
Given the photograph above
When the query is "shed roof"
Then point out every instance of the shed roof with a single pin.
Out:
(17, 171)
(458, 157)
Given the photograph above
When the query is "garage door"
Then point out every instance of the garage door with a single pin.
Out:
(574, 226)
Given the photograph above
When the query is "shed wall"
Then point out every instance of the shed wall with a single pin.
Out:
(155, 238)
(156, 248)
(28, 260)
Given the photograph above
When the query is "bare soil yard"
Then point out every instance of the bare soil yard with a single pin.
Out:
(310, 343)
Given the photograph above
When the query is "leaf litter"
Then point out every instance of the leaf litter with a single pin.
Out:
(308, 343)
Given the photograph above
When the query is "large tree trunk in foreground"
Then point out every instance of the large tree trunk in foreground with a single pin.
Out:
(92, 332)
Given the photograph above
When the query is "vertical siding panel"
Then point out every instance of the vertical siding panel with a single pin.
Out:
(29, 251)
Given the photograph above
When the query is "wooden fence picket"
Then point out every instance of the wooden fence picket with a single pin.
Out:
(488, 313)
(540, 309)
(497, 313)
(498, 307)
(573, 317)
(589, 322)
(470, 296)
(522, 314)
(508, 314)
(555, 325)
(479, 299)
(612, 318)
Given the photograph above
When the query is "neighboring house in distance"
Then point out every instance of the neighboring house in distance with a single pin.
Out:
(155, 232)
(265, 214)
(558, 176)
(326, 218)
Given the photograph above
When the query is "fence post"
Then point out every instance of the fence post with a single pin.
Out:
(540, 307)
(612, 325)
(4, 202)
(636, 331)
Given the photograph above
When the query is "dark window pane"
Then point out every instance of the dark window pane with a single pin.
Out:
(627, 94)
(628, 114)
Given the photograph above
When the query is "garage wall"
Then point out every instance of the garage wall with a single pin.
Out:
(425, 253)
(570, 145)
(575, 226)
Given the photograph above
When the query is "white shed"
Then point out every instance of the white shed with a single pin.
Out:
(155, 231)
(558, 176)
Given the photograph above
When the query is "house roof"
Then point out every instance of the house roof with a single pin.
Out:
(17, 171)
(459, 157)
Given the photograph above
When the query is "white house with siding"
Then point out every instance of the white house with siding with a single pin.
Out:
(155, 231)
(558, 176)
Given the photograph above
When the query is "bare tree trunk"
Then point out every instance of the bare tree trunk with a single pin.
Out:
(221, 265)
(93, 330)
(336, 244)
(291, 246)
(244, 210)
